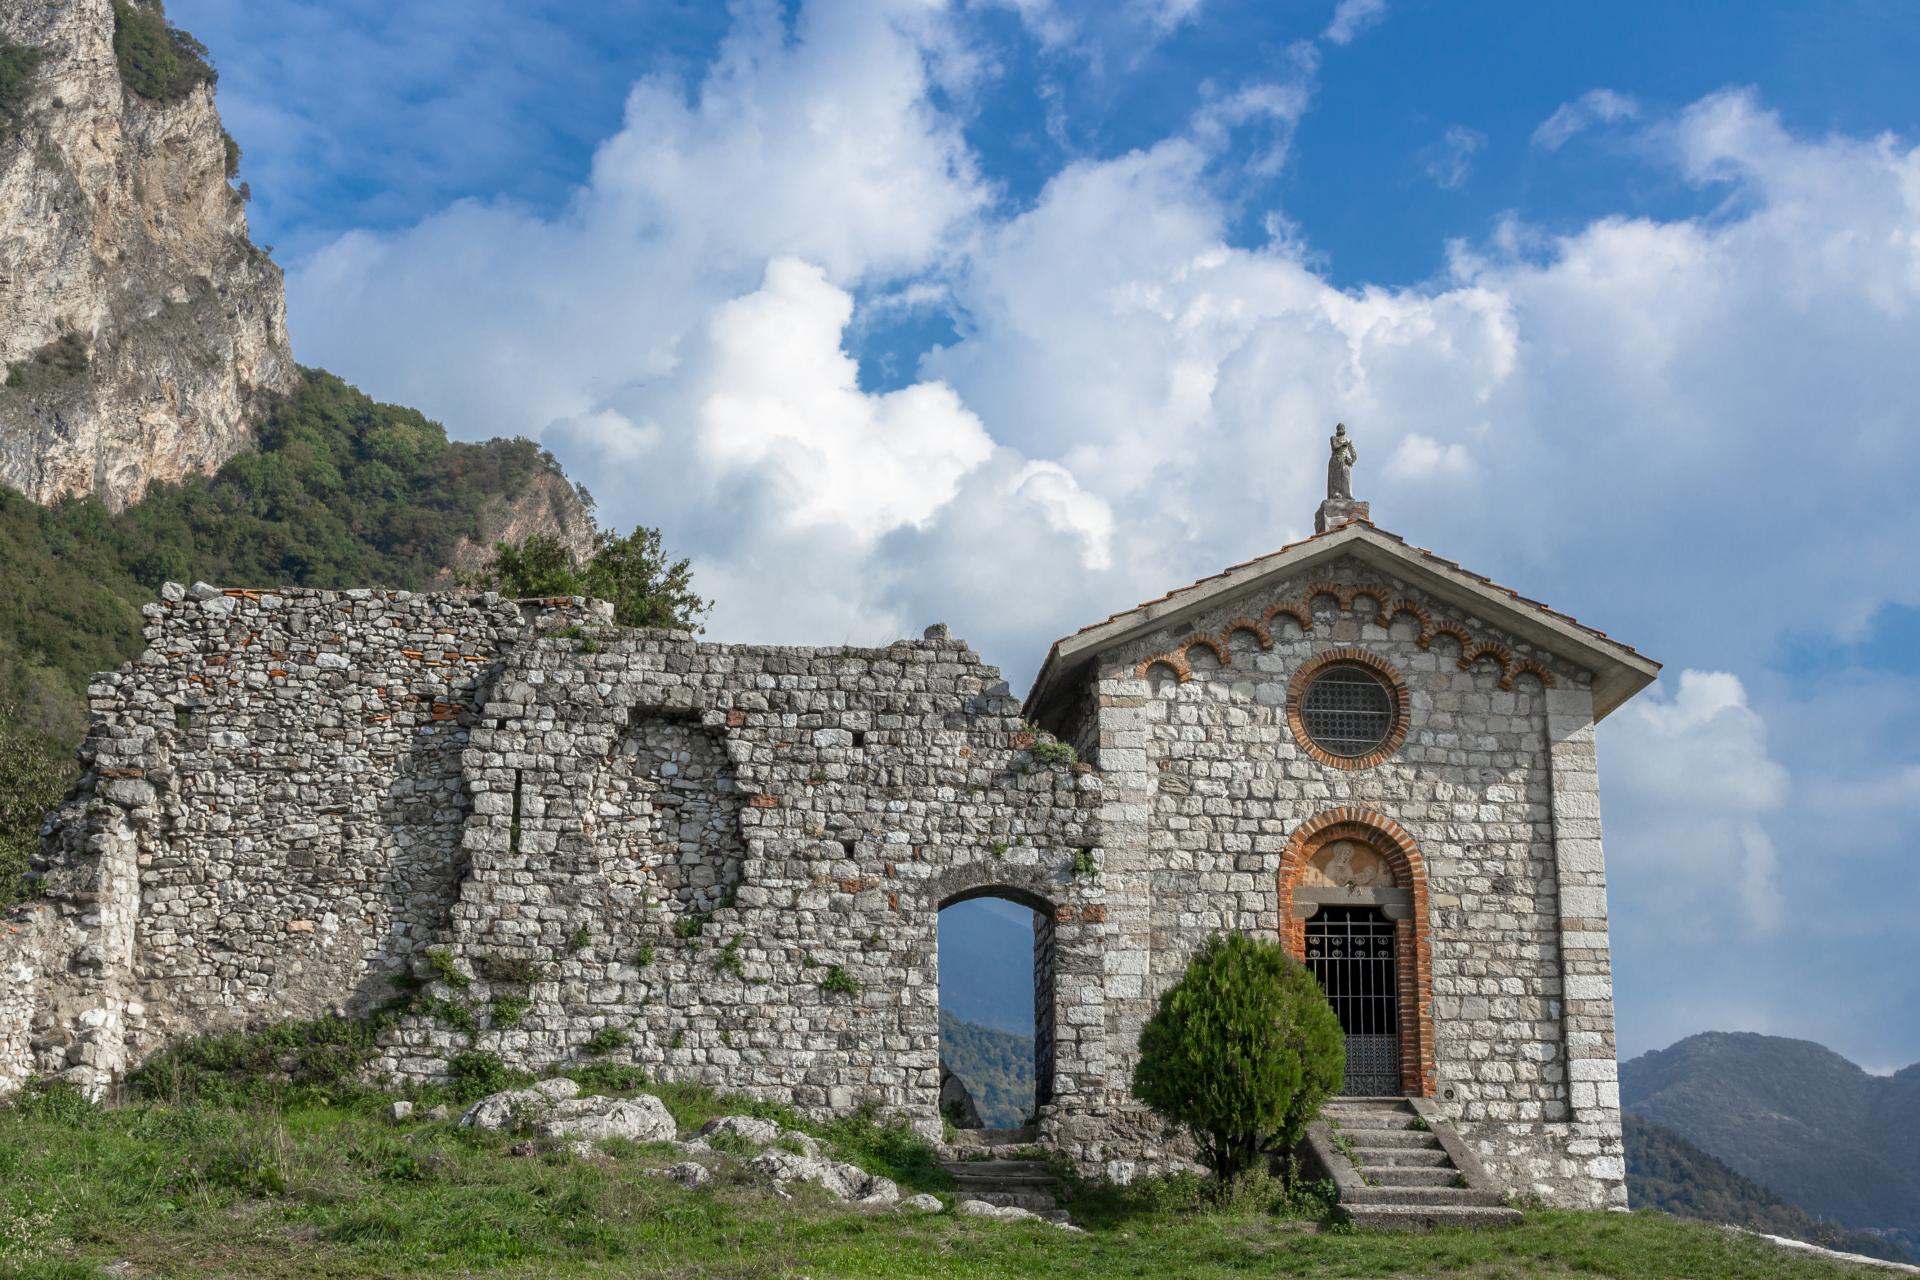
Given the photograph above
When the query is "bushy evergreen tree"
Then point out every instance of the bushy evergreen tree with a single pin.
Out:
(1241, 1052)
(633, 573)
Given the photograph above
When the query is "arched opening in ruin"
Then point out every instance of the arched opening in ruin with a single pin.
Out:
(996, 970)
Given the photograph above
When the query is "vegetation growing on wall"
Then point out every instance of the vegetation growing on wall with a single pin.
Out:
(157, 60)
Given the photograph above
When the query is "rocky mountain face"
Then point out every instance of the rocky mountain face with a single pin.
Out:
(141, 328)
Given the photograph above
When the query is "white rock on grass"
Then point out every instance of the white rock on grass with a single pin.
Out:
(400, 1110)
(923, 1203)
(642, 1119)
(688, 1173)
(555, 1110)
(1011, 1213)
(752, 1128)
(981, 1209)
(498, 1110)
(762, 1133)
(841, 1181)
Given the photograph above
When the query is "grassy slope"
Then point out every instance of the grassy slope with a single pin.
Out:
(331, 1189)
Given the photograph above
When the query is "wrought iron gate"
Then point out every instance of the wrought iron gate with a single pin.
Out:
(1351, 951)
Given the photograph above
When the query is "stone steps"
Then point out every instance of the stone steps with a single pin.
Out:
(1399, 1167)
(1411, 1175)
(1403, 1156)
(1021, 1183)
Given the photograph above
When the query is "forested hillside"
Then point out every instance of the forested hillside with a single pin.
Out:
(1666, 1172)
(1794, 1117)
(997, 1066)
(341, 491)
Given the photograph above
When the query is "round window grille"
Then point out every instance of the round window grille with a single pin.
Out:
(1348, 711)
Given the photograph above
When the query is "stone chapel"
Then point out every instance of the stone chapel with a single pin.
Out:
(735, 856)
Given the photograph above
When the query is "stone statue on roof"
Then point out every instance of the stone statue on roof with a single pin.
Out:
(1340, 465)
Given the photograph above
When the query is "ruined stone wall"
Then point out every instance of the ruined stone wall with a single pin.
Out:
(270, 821)
(1206, 783)
(726, 864)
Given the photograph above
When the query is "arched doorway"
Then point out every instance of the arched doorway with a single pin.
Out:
(996, 971)
(1353, 908)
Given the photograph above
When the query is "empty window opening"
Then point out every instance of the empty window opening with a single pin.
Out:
(996, 1010)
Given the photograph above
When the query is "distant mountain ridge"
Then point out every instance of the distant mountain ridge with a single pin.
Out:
(1794, 1117)
(986, 968)
(1668, 1173)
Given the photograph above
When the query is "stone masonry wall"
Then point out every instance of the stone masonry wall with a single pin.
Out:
(1205, 784)
(269, 823)
(726, 864)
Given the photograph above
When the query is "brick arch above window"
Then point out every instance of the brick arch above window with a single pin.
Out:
(1349, 657)
(1413, 944)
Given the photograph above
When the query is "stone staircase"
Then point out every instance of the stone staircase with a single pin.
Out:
(1409, 1170)
(997, 1166)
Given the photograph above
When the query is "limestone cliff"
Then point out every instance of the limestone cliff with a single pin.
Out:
(142, 328)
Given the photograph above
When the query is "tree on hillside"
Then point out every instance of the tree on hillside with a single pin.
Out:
(645, 588)
(1241, 1052)
(34, 772)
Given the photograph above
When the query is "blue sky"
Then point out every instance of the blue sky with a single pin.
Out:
(865, 303)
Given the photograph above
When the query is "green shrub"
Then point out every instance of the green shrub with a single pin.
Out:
(232, 150)
(446, 970)
(729, 961)
(476, 1073)
(62, 360)
(54, 1101)
(606, 1040)
(1241, 1052)
(34, 771)
(838, 979)
(18, 63)
(580, 939)
(506, 1011)
(689, 926)
(509, 969)
(157, 61)
(643, 956)
(1085, 865)
(453, 1013)
(634, 573)
(322, 1058)
(1049, 750)
(607, 1077)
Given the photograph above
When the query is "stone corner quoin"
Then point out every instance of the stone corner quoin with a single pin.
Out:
(727, 861)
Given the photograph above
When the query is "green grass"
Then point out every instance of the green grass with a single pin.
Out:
(334, 1190)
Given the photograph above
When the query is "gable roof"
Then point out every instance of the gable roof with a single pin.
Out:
(1619, 671)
